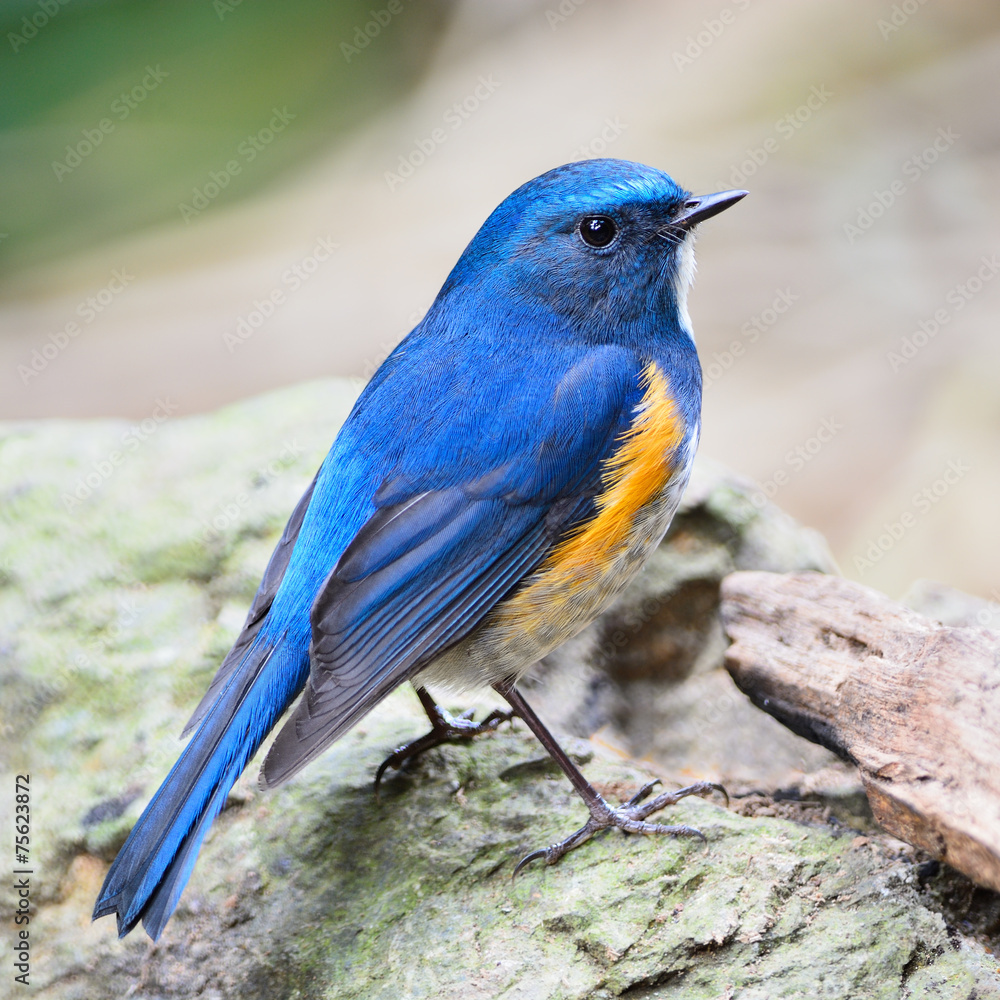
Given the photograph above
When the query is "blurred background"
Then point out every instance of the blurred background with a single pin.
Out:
(200, 201)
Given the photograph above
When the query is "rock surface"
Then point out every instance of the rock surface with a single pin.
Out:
(128, 558)
(914, 703)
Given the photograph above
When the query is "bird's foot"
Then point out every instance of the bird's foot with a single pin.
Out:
(630, 818)
(445, 728)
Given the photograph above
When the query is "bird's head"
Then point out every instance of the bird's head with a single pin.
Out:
(604, 243)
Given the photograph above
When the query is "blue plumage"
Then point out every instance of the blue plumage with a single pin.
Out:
(494, 433)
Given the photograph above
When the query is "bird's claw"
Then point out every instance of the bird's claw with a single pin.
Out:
(445, 728)
(527, 859)
(665, 799)
(643, 793)
(629, 818)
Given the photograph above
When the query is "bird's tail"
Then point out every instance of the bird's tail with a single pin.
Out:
(150, 872)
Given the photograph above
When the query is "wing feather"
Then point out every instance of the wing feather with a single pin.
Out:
(434, 559)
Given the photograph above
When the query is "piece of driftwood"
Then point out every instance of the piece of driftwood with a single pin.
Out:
(914, 704)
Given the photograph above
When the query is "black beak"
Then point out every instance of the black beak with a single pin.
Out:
(696, 210)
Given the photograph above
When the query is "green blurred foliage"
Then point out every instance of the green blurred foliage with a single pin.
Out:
(114, 114)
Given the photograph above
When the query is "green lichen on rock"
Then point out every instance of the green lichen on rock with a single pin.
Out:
(120, 591)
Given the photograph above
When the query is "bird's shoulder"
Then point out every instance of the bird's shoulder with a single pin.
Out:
(518, 390)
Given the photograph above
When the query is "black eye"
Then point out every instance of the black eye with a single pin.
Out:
(597, 230)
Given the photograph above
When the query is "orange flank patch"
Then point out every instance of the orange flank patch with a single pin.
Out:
(635, 475)
(587, 567)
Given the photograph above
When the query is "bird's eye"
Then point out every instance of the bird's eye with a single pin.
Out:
(597, 231)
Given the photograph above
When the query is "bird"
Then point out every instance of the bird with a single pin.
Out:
(500, 479)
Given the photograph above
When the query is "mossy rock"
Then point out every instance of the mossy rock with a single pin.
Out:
(115, 607)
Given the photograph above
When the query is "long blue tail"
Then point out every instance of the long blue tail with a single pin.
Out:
(147, 878)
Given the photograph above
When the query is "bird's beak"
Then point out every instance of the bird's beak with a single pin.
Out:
(703, 207)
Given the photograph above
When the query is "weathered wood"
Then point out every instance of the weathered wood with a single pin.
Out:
(914, 704)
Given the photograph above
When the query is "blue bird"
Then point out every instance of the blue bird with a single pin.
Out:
(501, 478)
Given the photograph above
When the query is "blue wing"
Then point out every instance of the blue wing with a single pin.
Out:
(456, 525)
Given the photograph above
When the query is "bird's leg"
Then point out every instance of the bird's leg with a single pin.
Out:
(629, 817)
(445, 728)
